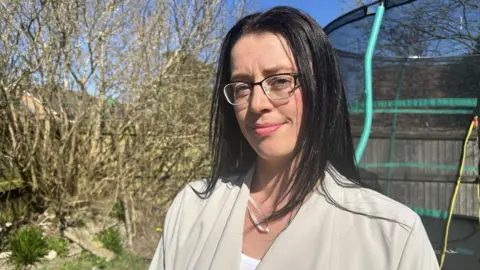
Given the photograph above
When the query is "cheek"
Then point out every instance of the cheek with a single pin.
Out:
(241, 115)
(298, 109)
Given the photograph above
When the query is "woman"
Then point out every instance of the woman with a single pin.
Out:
(285, 192)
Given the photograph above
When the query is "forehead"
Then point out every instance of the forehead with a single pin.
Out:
(261, 54)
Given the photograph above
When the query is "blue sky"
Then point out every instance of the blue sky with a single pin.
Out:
(324, 11)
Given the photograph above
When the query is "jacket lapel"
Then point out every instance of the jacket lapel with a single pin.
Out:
(224, 246)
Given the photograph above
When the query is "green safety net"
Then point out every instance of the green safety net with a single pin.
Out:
(420, 86)
(424, 75)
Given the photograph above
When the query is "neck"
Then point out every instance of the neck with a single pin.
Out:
(271, 181)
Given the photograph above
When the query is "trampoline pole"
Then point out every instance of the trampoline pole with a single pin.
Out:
(394, 126)
(456, 189)
(477, 127)
(368, 83)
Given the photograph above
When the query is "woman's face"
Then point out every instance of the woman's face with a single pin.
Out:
(270, 126)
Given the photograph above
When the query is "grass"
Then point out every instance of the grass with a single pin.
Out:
(59, 245)
(28, 246)
(86, 260)
(112, 240)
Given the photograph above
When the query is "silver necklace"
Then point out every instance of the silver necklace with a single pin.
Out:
(258, 224)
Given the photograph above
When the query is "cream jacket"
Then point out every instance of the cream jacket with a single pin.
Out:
(207, 234)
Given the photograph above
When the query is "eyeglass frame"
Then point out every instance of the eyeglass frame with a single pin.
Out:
(295, 86)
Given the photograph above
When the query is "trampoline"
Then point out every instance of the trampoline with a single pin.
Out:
(411, 70)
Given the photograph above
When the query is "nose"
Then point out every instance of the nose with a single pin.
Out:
(259, 101)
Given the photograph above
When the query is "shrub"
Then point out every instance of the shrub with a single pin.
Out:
(112, 240)
(28, 246)
(118, 211)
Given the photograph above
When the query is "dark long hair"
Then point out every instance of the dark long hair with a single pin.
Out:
(327, 140)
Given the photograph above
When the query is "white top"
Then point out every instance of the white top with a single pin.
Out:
(248, 263)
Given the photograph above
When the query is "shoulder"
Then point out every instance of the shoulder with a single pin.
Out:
(191, 207)
(194, 191)
(367, 203)
(192, 197)
(386, 226)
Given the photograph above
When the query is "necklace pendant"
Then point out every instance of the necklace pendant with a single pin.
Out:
(259, 226)
(254, 218)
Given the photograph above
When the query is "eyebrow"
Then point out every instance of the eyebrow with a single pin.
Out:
(266, 72)
(241, 77)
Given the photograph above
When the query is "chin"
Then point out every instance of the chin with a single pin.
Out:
(273, 151)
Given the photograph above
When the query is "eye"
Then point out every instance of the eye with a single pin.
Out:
(241, 89)
(280, 83)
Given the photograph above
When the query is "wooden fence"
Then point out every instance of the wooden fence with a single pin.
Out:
(424, 168)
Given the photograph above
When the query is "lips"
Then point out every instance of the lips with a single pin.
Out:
(266, 129)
